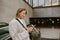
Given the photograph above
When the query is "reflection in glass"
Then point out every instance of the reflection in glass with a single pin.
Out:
(35, 3)
(30, 2)
(47, 2)
(57, 19)
(41, 2)
(55, 2)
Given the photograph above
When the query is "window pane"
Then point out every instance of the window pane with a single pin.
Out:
(30, 2)
(27, 0)
(47, 2)
(55, 2)
(41, 2)
(35, 3)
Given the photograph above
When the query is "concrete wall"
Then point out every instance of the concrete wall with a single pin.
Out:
(47, 12)
(51, 33)
(8, 9)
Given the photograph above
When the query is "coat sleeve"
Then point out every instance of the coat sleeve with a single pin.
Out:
(14, 33)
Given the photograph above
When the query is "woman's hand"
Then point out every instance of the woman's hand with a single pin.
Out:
(30, 29)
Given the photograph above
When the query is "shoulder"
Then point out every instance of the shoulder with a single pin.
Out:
(13, 21)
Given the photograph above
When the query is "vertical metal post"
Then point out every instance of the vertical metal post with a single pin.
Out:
(51, 2)
(32, 3)
(44, 2)
(38, 3)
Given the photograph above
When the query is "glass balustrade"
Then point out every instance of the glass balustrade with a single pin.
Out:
(43, 3)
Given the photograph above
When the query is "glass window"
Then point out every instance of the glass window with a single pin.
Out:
(35, 3)
(55, 2)
(47, 2)
(41, 2)
(27, 0)
(31, 2)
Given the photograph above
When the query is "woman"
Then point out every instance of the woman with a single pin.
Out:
(16, 30)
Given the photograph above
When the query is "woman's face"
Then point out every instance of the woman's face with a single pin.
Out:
(22, 14)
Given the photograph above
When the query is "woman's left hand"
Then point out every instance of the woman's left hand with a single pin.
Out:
(30, 29)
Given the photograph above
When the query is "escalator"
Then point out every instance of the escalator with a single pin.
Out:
(4, 33)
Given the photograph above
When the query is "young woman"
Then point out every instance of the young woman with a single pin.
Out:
(16, 30)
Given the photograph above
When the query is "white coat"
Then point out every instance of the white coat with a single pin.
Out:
(17, 32)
